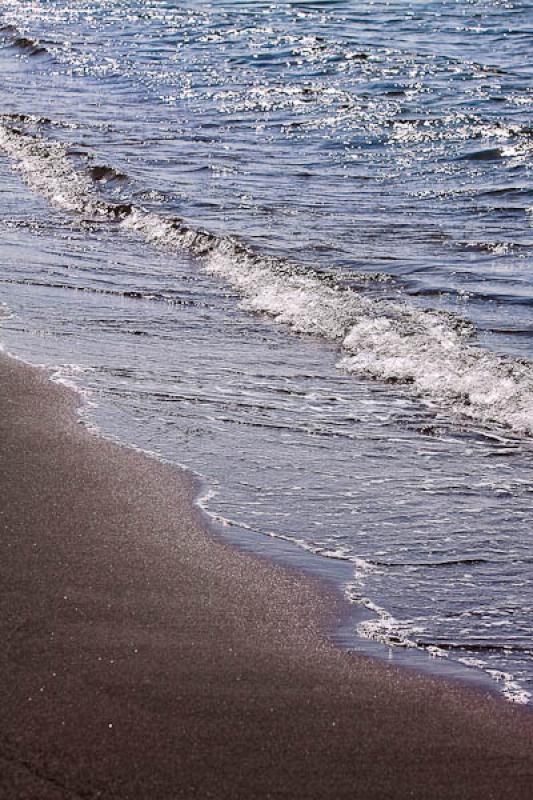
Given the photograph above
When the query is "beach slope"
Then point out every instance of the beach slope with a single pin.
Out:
(142, 657)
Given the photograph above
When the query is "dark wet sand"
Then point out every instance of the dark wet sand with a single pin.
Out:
(141, 657)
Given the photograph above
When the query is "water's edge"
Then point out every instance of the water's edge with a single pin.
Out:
(285, 553)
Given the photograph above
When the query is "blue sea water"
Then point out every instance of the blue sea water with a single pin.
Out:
(289, 245)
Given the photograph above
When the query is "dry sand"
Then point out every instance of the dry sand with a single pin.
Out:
(142, 657)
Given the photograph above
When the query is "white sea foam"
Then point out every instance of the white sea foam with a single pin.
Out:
(47, 170)
(390, 341)
(384, 628)
(509, 686)
(434, 352)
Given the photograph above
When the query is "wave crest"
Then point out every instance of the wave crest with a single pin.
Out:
(433, 352)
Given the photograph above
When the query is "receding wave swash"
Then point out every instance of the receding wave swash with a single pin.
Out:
(434, 352)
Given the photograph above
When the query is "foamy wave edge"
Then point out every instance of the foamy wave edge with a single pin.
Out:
(433, 352)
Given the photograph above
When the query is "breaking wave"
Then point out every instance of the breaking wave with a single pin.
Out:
(433, 352)
(24, 44)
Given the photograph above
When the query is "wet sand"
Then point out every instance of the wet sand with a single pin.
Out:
(142, 657)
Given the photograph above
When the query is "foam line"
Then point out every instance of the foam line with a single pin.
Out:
(433, 352)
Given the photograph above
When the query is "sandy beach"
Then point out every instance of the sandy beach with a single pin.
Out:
(143, 657)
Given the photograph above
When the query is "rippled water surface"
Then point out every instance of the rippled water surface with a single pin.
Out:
(288, 245)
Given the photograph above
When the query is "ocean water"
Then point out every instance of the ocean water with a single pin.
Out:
(288, 245)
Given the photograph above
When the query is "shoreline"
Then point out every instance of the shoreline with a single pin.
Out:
(146, 657)
(288, 555)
